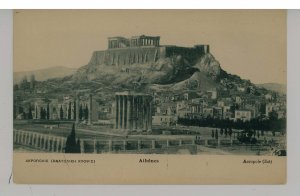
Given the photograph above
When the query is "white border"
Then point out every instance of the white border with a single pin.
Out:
(147, 4)
(291, 188)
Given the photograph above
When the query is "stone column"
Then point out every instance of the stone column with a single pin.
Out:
(21, 137)
(124, 113)
(25, 138)
(48, 144)
(90, 109)
(117, 112)
(193, 142)
(81, 146)
(120, 111)
(167, 143)
(138, 113)
(77, 108)
(139, 144)
(124, 145)
(43, 142)
(57, 144)
(205, 142)
(62, 145)
(180, 142)
(36, 140)
(129, 120)
(110, 145)
(40, 141)
(144, 110)
(95, 149)
(52, 147)
(133, 113)
(153, 144)
(17, 136)
(150, 115)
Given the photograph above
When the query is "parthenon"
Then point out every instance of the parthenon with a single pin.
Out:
(134, 41)
(133, 111)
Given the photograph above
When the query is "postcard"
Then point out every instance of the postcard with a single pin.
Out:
(149, 97)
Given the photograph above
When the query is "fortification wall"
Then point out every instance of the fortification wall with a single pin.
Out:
(128, 56)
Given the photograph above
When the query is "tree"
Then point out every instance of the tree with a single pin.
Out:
(36, 112)
(86, 112)
(74, 113)
(80, 112)
(30, 112)
(69, 111)
(71, 145)
(61, 113)
(230, 132)
(48, 112)
(42, 113)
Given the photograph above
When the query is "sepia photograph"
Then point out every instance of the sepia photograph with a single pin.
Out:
(150, 83)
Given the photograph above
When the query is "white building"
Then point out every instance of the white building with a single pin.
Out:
(244, 115)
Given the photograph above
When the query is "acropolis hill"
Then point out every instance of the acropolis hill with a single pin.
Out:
(143, 49)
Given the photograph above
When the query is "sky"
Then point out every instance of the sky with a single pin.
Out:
(249, 43)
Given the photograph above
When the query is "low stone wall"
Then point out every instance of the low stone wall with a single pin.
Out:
(50, 143)
(39, 141)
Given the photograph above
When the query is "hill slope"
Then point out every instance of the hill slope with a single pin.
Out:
(280, 88)
(44, 74)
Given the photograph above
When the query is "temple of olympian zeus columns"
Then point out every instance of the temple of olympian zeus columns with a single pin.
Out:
(133, 111)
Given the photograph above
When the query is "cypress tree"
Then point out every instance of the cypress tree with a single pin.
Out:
(80, 112)
(61, 113)
(48, 112)
(71, 145)
(69, 111)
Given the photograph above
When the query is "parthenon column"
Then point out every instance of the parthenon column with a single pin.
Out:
(120, 111)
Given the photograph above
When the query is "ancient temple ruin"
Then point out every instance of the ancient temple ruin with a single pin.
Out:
(133, 111)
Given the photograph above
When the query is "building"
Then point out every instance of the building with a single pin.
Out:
(164, 120)
(244, 115)
(133, 111)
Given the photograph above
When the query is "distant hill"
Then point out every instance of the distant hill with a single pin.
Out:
(280, 88)
(44, 74)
